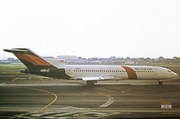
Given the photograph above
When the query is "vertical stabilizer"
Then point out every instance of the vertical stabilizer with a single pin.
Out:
(36, 64)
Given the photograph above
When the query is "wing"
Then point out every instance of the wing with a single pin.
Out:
(97, 78)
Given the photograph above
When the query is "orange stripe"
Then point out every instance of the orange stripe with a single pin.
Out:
(33, 59)
(130, 72)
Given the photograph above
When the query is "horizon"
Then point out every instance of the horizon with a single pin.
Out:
(5, 58)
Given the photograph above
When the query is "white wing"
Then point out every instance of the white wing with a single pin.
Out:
(97, 78)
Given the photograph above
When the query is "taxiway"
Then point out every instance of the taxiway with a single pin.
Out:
(30, 97)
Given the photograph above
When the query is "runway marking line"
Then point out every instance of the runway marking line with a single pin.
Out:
(14, 79)
(51, 101)
(41, 108)
(109, 102)
(3, 83)
(110, 98)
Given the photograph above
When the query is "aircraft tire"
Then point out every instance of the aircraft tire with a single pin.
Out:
(160, 82)
(90, 83)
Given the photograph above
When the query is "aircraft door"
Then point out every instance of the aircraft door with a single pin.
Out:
(68, 71)
(155, 73)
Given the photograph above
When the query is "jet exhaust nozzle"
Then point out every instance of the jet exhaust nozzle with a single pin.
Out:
(24, 71)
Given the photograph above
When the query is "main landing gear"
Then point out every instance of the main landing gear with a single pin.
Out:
(160, 82)
(90, 83)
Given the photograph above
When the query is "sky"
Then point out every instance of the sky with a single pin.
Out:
(91, 28)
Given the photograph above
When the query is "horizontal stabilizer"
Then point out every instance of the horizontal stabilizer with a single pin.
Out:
(15, 50)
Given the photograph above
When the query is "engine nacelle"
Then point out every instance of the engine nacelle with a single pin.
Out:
(24, 71)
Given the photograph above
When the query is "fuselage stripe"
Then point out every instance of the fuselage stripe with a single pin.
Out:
(32, 59)
(130, 72)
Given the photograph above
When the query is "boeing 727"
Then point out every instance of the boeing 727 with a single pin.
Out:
(89, 73)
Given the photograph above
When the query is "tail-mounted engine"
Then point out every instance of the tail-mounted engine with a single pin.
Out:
(24, 71)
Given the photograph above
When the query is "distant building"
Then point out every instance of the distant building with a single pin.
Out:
(67, 57)
(96, 62)
(129, 62)
(4, 62)
(113, 57)
(48, 57)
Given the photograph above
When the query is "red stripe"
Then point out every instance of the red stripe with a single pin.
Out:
(33, 59)
(130, 72)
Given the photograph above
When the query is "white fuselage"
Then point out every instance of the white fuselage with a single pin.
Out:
(118, 72)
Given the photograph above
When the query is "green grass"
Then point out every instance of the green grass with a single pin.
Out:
(11, 69)
(11, 66)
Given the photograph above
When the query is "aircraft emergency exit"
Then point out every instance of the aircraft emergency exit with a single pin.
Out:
(89, 73)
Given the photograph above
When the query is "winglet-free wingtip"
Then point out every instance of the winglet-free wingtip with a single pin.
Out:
(7, 50)
(15, 50)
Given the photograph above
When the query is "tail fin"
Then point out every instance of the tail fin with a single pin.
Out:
(28, 57)
(36, 64)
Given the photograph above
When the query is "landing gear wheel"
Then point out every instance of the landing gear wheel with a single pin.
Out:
(90, 83)
(160, 82)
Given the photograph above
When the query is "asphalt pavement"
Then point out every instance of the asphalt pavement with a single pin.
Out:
(40, 97)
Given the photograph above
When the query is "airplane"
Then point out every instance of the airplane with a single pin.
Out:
(89, 73)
